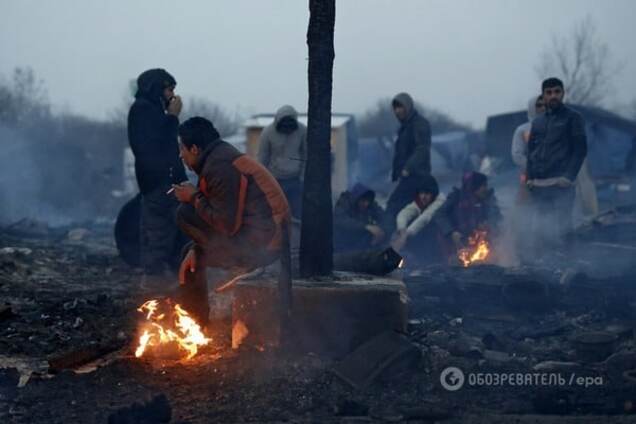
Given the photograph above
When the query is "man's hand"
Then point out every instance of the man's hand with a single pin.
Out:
(457, 239)
(189, 264)
(175, 105)
(184, 192)
(405, 173)
(376, 232)
(526, 136)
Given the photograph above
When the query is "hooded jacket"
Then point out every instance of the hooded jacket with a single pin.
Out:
(519, 148)
(414, 219)
(558, 144)
(240, 199)
(464, 212)
(152, 134)
(284, 155)
(350, 231)
(413, 144)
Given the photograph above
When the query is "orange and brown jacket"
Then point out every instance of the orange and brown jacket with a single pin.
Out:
(239, 198)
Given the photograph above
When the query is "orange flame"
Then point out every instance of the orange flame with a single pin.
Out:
(477, 250)
(181, 330)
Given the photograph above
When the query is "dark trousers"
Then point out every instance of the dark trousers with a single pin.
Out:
(402, 195)
(293, 189)
(161, 239)
(424, 248)
(216, 251)
(551, 215)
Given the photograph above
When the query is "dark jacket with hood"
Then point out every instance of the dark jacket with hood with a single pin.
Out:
(464, 212)
(350, 231)
(557, 145)
(152, 134)
(240, 199)
(413, 144)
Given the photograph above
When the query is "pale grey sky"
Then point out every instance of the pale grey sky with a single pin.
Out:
(468, 58)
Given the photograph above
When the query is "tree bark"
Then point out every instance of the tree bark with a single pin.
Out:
(316, 241)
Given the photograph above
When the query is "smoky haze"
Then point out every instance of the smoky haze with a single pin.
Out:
(468, 59)
(461, 60)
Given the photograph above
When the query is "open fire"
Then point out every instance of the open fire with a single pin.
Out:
(477, 249)
(169, 328)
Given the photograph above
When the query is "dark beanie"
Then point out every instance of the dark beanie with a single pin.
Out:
(198, 131)
(428, 184)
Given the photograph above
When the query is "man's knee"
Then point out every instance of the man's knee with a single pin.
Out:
(186, 215)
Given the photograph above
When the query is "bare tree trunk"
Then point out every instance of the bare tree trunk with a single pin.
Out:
(316, 242)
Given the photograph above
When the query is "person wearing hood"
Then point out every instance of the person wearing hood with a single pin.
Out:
(237, 216)
(152, 133)
(521, 136)
(282, 149)
(412, 156)
(416, 233)
(468, 209)
(359, 222)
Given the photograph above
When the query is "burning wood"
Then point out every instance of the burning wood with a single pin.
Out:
(477, 249)
(169, 327)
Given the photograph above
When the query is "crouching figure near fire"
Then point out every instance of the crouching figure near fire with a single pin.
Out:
(237, 217)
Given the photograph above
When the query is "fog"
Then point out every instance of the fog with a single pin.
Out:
(468, 59)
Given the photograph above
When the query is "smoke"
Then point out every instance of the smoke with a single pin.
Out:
(60, 170)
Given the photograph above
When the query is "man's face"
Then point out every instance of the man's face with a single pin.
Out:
(553, 96)
(482, 192)
(425, 198)
(400, 112)
(168, 93)
(188, 156)
(363, 204)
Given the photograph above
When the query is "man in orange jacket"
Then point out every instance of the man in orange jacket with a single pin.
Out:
(236, 216)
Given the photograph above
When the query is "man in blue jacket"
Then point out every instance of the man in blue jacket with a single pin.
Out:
(556, 150)
(152, 132)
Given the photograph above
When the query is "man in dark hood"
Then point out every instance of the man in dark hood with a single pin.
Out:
(152, 133)
(412, 157)
(359, 222)
(470, 208)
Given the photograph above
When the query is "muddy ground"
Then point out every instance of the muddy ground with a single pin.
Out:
(66, 289)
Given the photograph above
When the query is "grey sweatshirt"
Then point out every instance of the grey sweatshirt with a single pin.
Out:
(284, 155)
(413, 219)
(519, 148)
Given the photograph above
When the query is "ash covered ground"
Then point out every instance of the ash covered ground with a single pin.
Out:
(66, 294)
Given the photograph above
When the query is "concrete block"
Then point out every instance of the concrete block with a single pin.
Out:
(330, 317)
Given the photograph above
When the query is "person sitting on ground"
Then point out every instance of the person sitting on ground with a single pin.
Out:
(416, 234)
(237, 217)
(358, 220)
(466, 210)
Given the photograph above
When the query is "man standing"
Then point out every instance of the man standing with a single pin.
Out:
(412, 157)
(237, 217)
(282, 149)
(556, 150)
(152, 133)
